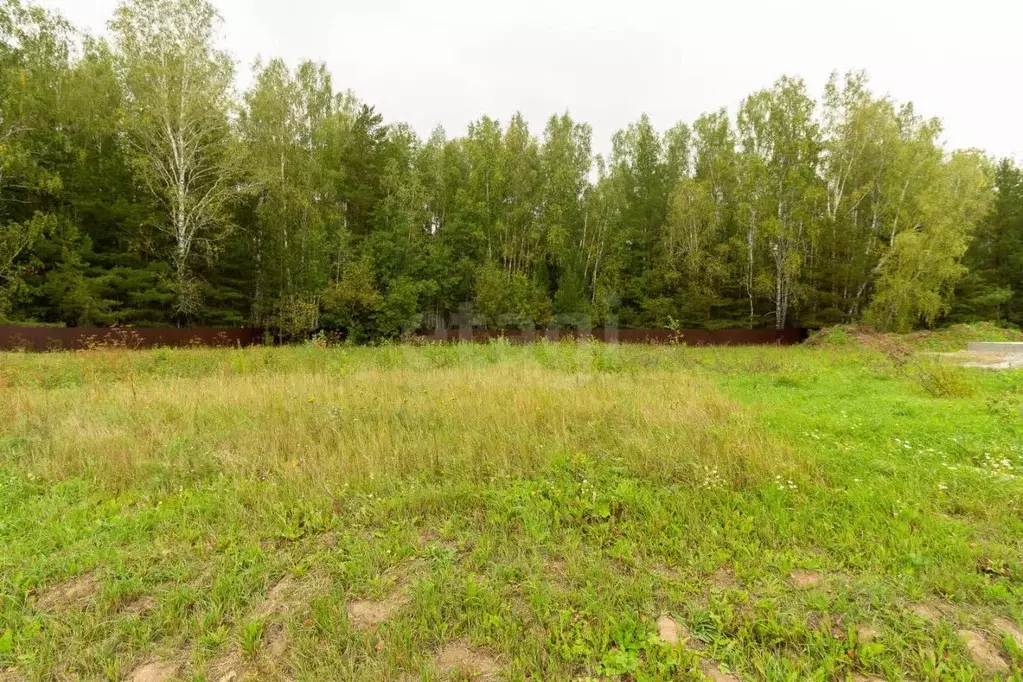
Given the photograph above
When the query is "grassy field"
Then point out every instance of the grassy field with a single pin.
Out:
(550, 512)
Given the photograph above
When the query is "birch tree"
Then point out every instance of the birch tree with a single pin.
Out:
(178, 87)
(692, 233)
(565, 162)
(916, 275)
(602, 242)
(752, 179)
(282, 131)
(781, 151)
(794, 182)
(868, 175)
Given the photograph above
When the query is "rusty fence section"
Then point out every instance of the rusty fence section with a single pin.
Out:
(84, 338)
(691, 337)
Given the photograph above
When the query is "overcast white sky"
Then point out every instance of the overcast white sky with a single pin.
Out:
(447, 62)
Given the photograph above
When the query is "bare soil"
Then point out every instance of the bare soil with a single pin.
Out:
(1011, 629)
(724, 579)
(867, 634)
(805, 578)
(155, 672)
(75, 592)
(364, 615)
(670, 631)
(928, 612)
(983, 653)
(711, 670)
(228, 668)
(459, 657)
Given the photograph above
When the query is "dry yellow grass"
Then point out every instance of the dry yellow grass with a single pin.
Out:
(329, 430)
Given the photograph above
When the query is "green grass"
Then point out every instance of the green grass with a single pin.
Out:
(816, 513)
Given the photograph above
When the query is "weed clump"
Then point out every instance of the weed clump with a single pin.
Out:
(942, 380)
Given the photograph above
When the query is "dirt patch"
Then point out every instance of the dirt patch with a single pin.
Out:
(364, 615)
(277, 599)
(289, 595)
(671, 632)
(428, 536)
(805, 578)
(74, 592)
(724, 579)
(713, 671)
(140, 605)
(982, 653)
(557, 567)
(458, 657)
(276, 642)
(1009, 628)
(155, 672)
(227, 668)
(555, 572)
(826, 622)
(928, 612)
(867, 634)
(866, 678)
(665, 572)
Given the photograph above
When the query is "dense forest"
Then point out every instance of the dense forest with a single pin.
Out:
(137, 187)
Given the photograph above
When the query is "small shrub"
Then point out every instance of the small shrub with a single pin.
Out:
(941, 380)
(1006, 408)
(295, 318)
(675, 327)
(830, 336)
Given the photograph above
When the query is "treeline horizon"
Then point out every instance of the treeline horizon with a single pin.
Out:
(137, 188)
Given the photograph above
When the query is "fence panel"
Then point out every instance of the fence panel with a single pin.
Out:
(691, 337)
(81, 338)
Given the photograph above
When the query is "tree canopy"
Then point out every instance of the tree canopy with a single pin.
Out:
(137, 187)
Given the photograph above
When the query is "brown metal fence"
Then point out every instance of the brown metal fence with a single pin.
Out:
(82, 338)
(691, 337)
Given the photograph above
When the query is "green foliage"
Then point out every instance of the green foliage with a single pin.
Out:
(942, 380)
(831, 336)
(990, 289)
(179, 142)
(294, 318)
(135, 188)
(251, 637)
(510, 300)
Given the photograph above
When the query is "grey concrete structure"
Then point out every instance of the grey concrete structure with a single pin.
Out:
(1004, 347)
